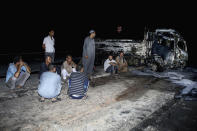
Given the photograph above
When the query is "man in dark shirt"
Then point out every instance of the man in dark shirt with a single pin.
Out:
(78, 84)
(45, 65)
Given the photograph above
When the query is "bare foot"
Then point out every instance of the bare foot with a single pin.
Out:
(85, 97)
(19, 87)
(55, 100)
(42, 99)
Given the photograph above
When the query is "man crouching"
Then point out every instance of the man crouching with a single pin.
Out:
(50, 85)
(122, 63)
(78, 84)
(110, 65)
(17, 74)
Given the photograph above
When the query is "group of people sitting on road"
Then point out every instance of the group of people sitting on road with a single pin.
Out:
(114, 66)
(51, 80)
(51, 77)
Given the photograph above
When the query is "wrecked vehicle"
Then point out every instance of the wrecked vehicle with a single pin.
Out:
(162, 49)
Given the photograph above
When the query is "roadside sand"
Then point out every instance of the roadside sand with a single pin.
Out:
(113, 104)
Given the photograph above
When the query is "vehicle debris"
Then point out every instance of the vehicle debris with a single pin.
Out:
(161, 49)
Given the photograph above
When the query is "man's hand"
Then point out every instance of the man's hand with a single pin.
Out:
(112, 63)
(125, 64)
(21, 64)
(27, 68)
(86, 57)
(43, 46)
(18, 70)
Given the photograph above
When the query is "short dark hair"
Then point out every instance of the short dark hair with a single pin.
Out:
(51, 67)
(68, 56)
(121, 52)
(17, 59)
(51, 30)
(110, 54)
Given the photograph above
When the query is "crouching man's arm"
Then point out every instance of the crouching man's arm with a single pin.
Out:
(113, 63)
(18, 70)
(27, 67)
(126, 64)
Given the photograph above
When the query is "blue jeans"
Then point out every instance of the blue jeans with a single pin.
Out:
(112, 69)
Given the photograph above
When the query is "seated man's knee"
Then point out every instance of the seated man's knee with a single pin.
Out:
(13, 78)
(64, 74)
(27, 74)
(125, 69)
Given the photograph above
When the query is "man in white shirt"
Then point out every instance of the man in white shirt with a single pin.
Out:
(48, 45)
(110, 65)
(67, 67)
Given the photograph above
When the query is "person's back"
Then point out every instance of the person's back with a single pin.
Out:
(50, 85)
(78, 84)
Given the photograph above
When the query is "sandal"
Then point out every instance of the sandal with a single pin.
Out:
(85, 97)
(41, 99)
(56, 100)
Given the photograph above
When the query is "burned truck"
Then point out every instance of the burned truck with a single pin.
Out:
(161, 49)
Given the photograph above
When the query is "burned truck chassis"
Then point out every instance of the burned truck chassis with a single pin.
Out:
(162, 49)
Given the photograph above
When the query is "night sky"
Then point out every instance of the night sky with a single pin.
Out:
(24, 27)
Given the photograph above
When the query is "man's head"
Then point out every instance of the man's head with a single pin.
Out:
(119, 28)
(110, 57)
(121, 54)
(48, 60)
(92, 34)
(52, 68)
(69, 58)
(51, 33)
(17, 60)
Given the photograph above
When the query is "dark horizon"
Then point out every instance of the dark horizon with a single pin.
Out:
(24, 27)
(29, 37)
(69, 37)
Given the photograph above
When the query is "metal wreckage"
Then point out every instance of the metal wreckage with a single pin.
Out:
(162, 49)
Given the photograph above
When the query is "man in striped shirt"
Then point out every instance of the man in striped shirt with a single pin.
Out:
(78, 84)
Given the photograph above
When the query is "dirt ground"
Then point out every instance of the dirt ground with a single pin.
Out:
(174, 116)
(127, 102)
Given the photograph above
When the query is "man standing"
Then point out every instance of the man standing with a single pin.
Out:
(48, 45)
(17, 74)
(89, 53)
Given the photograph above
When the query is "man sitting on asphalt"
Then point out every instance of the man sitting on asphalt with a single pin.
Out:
(110, 65)
(78, 84)
(45, 65)
(50, 85)
(122, 63)
(17, 74)
(67, 68)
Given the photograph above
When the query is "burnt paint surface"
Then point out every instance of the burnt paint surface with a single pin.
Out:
(163, 48)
